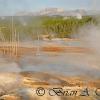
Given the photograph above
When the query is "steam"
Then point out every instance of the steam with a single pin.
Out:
(90, 36)
(9, 82)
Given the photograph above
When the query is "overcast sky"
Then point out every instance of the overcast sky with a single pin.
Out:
(8, 7)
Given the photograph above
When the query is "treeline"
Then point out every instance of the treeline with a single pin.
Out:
(28, 26)
(65, 27)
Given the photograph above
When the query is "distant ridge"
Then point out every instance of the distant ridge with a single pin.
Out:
(58, 11)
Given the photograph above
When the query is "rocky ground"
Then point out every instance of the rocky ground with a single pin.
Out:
(23, 86)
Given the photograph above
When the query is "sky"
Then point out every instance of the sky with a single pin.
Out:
(8, 7)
